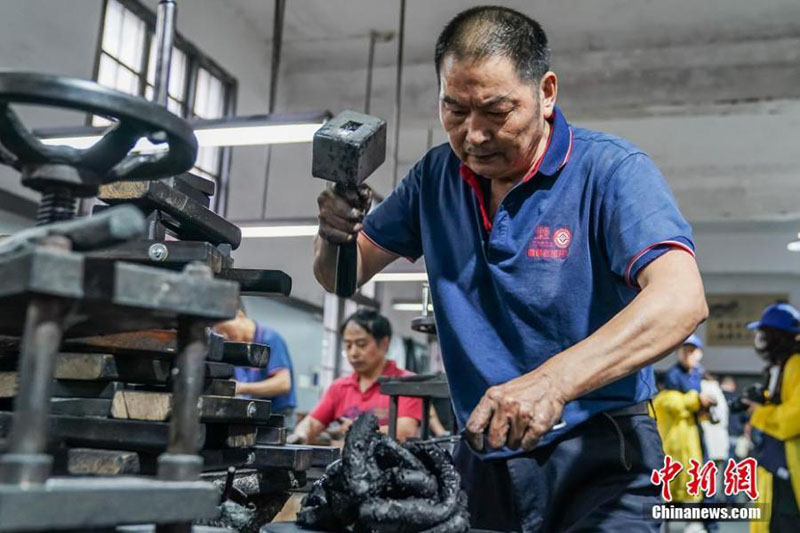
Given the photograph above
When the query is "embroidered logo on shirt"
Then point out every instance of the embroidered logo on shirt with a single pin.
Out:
(550, 245)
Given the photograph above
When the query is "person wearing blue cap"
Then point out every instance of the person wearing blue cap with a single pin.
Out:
(778, 418)
(687, 373)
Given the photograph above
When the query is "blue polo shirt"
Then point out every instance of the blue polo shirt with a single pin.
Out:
(278, 359)
(556, 262)
(680, 379)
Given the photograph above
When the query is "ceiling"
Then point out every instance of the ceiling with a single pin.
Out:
(572, 25)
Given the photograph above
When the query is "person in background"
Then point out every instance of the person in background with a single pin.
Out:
(676, 416)
(276, 381)
(736, 420)
(777, 341)
(714, 428)
(687, 373)
(365, 337)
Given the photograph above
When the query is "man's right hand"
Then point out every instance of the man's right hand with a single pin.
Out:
(342, 211)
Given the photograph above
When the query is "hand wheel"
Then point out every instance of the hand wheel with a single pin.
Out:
(62, 173)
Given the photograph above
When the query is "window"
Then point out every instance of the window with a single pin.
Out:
(197, 88)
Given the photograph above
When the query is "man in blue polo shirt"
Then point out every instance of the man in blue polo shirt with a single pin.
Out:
(560, 268)
(276, 381)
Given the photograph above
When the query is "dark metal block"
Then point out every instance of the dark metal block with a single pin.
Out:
(322, 456)
(85, 503)
(258, 282)
(195, 222)
(80, 407)
(42, 271)
(416, 386)
(105, 432)
(260, 457)
(271, 435)
(167, 254)
(237, 353)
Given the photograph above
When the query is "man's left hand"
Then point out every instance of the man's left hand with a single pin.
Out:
(516, 414)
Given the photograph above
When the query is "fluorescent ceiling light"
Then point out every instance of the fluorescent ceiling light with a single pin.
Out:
(410, 306)
(254, 135)
(281, 128)
(401, 276)
(301, 230)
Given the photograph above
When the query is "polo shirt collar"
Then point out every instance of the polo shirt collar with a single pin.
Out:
(559, 145)
(389, 369)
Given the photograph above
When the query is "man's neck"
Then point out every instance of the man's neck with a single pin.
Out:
(366, 379)
(501, 186)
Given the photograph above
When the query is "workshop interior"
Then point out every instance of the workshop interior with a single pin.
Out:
(178, 320)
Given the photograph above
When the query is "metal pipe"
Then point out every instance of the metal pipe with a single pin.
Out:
(165, 36)
(277, 44)
(373, 35)
(398, 95)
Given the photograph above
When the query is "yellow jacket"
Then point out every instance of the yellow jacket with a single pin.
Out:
(782, 421)
(675, 416)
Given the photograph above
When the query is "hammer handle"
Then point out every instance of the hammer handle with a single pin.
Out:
(346, 269)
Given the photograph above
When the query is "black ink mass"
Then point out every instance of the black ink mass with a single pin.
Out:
(380, 485)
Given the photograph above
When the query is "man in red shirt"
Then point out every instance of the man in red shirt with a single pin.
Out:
(365, 336)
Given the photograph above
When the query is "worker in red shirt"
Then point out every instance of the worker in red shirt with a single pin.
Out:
(365, 338)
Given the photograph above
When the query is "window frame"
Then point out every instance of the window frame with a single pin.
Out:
(195, 59)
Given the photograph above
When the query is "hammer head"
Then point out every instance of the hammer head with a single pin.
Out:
(348, 148)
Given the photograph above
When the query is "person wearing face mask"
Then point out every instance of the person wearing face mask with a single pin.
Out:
(560, 268)
(777, 341)
(365, 338)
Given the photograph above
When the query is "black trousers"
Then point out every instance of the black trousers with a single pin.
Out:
(597, 478)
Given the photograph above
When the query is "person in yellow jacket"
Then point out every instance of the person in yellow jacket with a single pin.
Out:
(676, 416)
(777, 341)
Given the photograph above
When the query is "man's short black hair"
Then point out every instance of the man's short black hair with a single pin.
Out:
(373, 322)
(486, 31)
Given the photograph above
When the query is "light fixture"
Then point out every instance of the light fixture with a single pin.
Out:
(278, 227)
(794, 246)
(278, 128)
(401, 276)
(266, 231)
(410, 306)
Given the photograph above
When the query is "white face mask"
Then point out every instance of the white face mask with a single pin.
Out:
(760, 341)
(761, 344)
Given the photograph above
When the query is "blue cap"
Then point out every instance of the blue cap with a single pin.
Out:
(778, 316)
(694, 340)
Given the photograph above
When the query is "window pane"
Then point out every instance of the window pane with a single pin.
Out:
(132, 43)
(107, 72)
(174, 106)
(127, 81)
(209, 99)
(177, 75)
(112, 27)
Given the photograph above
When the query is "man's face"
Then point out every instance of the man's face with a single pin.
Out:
(690, 355)
(364, 354)
(493, 119)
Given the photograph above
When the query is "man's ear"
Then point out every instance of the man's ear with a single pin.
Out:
(548, 93)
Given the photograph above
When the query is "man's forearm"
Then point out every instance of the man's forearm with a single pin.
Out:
(275, 385)
(661, 316)
(325, 263)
